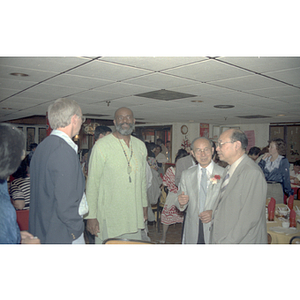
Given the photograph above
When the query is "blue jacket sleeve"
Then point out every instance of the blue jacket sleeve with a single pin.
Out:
(285, 171)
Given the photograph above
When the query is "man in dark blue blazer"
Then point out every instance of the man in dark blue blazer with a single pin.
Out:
(57, 181)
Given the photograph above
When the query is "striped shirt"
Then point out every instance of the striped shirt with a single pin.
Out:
(20, 190)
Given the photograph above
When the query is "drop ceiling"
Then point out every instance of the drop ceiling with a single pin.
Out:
(256, 86)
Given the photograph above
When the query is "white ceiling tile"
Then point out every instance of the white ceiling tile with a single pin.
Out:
(53, 64)
(276, 91)
(291, 76)
(4, 93)
(159, 81)
(248, 83)
(15, 83)
(94, 96)
(78, 81)
(124, 89)
(154, 63)
(208, 71)
(263, 64)
(108, 71)
(33, 75)
(202, 89)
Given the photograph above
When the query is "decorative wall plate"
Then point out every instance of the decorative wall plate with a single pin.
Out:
(184, 129)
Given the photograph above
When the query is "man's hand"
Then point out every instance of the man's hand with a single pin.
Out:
(92, 225)
(183, 199)
(266, 155)
(145, 211)
(28, 238)
(205, 216)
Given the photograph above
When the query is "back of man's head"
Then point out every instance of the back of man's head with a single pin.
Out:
(239, 135)
(61, 111)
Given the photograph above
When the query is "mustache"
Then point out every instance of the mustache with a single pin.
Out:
(121, 124)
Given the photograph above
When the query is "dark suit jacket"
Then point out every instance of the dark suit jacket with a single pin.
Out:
(240, 216)
(57, 186)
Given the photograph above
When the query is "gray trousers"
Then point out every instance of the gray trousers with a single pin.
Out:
(275, 190)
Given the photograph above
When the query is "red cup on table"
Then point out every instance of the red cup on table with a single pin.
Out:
(271, 215)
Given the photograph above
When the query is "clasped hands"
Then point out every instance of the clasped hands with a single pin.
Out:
(205, 216)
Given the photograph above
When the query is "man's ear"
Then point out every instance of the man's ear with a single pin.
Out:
(192, 152)
(114, 122)
(238, 145)
(73, 119)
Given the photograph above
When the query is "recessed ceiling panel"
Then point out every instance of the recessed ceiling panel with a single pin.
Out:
(165, 95)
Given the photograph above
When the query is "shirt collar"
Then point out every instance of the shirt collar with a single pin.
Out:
(209, 168)
(66, 138)
(231, 168)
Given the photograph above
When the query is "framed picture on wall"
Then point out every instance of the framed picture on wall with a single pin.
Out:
(42, 134)
(30, 136)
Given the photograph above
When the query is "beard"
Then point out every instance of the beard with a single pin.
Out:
(127, 131)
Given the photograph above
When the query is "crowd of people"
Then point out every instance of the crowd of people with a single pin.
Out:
(218, 190)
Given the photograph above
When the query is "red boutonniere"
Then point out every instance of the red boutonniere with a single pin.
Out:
(215, 179)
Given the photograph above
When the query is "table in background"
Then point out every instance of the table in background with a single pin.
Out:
(283, 237)
(295, 189)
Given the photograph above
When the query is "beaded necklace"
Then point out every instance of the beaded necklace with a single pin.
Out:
(129, 168)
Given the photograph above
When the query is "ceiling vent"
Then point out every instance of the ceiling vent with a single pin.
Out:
(165, 95)
(253, 117)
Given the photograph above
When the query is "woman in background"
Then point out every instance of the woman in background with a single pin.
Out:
(151, 147)
(170, 214)
(276, 169)
(20, 187)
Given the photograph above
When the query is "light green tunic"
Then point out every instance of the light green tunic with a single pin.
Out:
(110, 195)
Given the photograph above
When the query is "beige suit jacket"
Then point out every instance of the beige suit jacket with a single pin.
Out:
(240, 216)
(189, 185)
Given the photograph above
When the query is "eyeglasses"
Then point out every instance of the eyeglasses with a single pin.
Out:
(205, 150)
(218, 144)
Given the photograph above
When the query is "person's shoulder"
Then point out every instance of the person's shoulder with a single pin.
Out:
(218, 168)
(185, 159)
(137, 141)
(248, 167)
(190, 170)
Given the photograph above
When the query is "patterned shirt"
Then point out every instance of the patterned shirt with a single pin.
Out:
(20, 190)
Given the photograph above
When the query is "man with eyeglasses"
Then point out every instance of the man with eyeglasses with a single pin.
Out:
(57, 183)
(239, 214)
(198, 189)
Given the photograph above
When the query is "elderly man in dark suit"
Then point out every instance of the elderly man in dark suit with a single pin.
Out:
(57, 182)
(239, 214)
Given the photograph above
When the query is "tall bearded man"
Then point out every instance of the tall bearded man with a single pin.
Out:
(116, 187)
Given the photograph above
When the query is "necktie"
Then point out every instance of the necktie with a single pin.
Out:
(203, 190)
(224, 185)
(202, 196)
